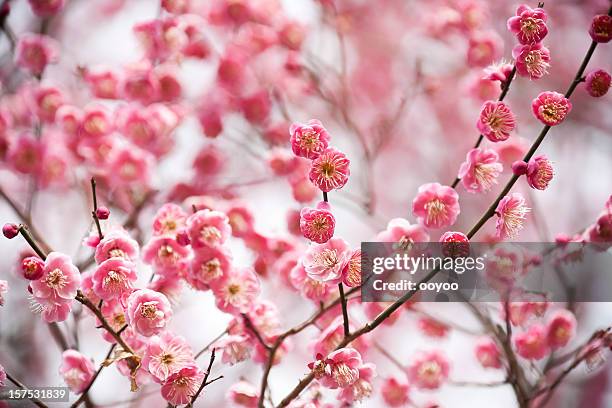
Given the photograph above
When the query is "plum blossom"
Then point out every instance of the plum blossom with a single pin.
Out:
(46, 8)
(208, 228)
(182, 385)
(436, 206)
(34, 52)
(401, 231)
(529, 25)
(209, 265)
(244, 394)
(312, 289)
(395, 392)
(532, 60)
(511, 211)
(351, 275)
(483, 48)
(601, 28)
(496, 121)
(165, 253)
(561, 328)
(432, 327)
(148, 311)
(454, 244)
(487, 353)
(539, 172)
(317, 224)
(597, 83)
(551, 108)
(309, 140)
(500, 71)
(236, 292)
(2, 376)
(429, 370)
(339, 369)
(114, 278)
(165, 355)
(330, 170)
(59, 282)
(532, 344)
(235, 348)
(362, 388)
(116, 244)
(77, 370)
(480, 171)
(325, 262)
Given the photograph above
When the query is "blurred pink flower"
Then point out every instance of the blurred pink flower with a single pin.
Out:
(561, 328)
(436, 206)
(330, 170)
(487, 353)
(496, 121)
(34, 52)
(551, 108)
(511, 211)
(148, 311)
(3, 291)
(395, 392)
(235, 348)
(77, 370)
(532, 344)
(454, 244)
(529, 25)
(400, 230)
(432, 327)
(243, 394)
(480, 171)
(483, 48)
(429, 370)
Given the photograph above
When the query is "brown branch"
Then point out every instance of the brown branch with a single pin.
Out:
(83, 396)
(249, 324)
(19, 384)
(205, 381)
(94, 213)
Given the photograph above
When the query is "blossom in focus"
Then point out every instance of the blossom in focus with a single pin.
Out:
(362, 388)
(529, 25)
(454, 244)
(532, 60)
(532, 344)
(551, 108)
(165, 355)
(181, 386)
(539, 172)
(561, 328)
(330, 170)
(308, 140)
(114, 278)
(601, 28)
(351, 275)
(77, 370)
(429, 370)
(436, 206)
(34, 52)
(165, 253)
(148, 311)
(207, 266)
(317, 224)
(236, 292)
(511, 211)
(325, 262)
(117, 244)
(597, 83)
(169, 219)
(480, 170)
(339, 369)
(496, 121)
(59, 282)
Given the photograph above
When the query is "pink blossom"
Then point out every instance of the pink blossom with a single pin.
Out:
(432, 327)
(96, 122)
(114, 313)
(539, 172)
(436, 206)
(487, 353)
(77, 370)
(48, 100)
(197, 45)
(241, 220)
(235, 348)
(498, 72)
(454, 244)
(480, 170)
(59, 282)
(597, 83)
(148, 311)
(340, 369)
(400, 230)
(532, 344)
(32, 267)
(140, 84)
(362, 388)
(208, 228)
(176, 6)
(511, 150)
(282, 162)
(25, 155)
(312, 289)
(256, 107)
(532, 60)
(114, 278)
(34, 52)
(551, 108)
(601, 231)
(3, 290)
(529, 25)
(317, 224)
(483, 48)
(325, 262)
(303, 190)
(237, 291)
(429, 370)
(103, 82)
(170, 88)
(292, 35)
(165, 253)
(309, 140)
(131, 165)
(351, 274)
(46, 8)
(496, 121)
(601, 28)
(330, 170)
(10, 230)
(511, 211)
(209, 265)
(244, 394)
(69, 119)
(182, 385)
(395, 392)
(561, 328)
(117, 244)
(210, 161)
(165, 355)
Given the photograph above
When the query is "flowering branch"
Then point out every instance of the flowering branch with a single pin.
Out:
(94, 213)
(205, 381)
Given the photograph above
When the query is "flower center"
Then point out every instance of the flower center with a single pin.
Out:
(343, 374)
(117, 253)
(328, 169)
(167, 359)
(149, 310)
(211, 269)
(436, 210)
(210, 234)
(56, 279)
(430, 370)
(328, 258)
(114, 281)
(309, 140)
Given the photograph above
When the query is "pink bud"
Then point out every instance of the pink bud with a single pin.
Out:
(10, 230)
(32, 267)
(102, 213)
(519, 168)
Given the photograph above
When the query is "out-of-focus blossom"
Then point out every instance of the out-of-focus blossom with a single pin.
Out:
(551, 108)
(496, 121)
(148, 311)
(529, 25)
(330, 170)
(432, 327)
(436, 206)
(532, 60)
(511, 211)
(243, 394)
(532, 344)
(561, 328)
(498, 72)
(3, 290)
(480, 170)
(34, 52)
(401, 231)
(429, 370)
(77, 370)
(395, 392)
(454, 244)
(483, 48)
(165, 253)
(597, 83)
(487, 353)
